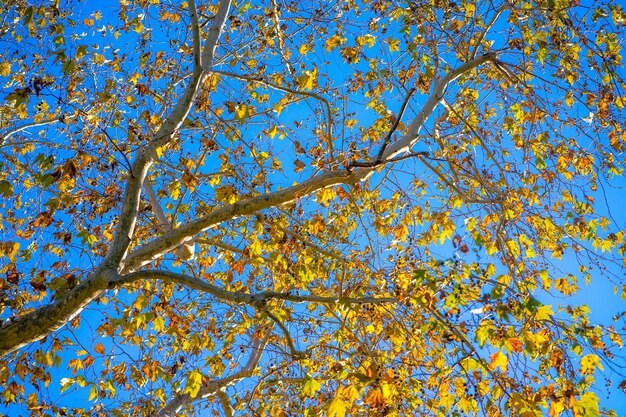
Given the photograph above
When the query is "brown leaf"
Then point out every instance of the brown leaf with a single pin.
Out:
(299, 165)
(12, 275)
(38, 286)
(70, 168)
(342, 193)
(43, 219)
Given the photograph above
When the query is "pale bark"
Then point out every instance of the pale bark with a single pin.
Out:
(219, 385)
(15, 130)
(45, 320)
(38, 324)
(255, 300)
(187, 249)
(159, 246)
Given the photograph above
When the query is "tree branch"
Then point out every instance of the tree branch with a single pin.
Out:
(15, 130)
(295, 353)
(36, 325)
(256, 300)
(396, 122)
(39, 323)
(219, 385)
(45, 320)
(187, 248)
(259, 80)
(228, 409)
(481, 37)
(145, 158)
(170, 240)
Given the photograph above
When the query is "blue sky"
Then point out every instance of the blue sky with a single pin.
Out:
(598, 294)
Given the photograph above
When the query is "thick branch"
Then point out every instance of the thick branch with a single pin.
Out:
(409, 139)
(396, 122)
(45, 320)
(168, 241)
(187, 249)
(37, 324)
(165, 134)
(213, 37)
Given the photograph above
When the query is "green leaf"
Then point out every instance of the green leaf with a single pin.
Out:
(6, 188)
(194, 383)
(310, 387)
(587, 405)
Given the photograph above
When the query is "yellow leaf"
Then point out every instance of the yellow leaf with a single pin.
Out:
(348, 393)
(226, 193)
(159, 323)
(272, 132)
(93, 393)
(470, 9)
(334, 41)
(241, 112)
(194, 383)
(555, 408)
(498, 359)
(5, 68)
(304, 49)
(307, 80)
(589, 363)
(310, 387)
(136, 77)
(336, 408)
(325, 195)
(368, 40)
(351, 123)
(544, 313)
(394, 44)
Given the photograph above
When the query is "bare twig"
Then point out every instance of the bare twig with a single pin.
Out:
(396, 122)
(256, 300)
(295, 354)
(15, 130)
(215, 386)
(329, 115)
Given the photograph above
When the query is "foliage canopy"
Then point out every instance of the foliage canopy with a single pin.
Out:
(309, 208)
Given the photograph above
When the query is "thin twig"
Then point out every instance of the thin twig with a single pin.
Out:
(381, 152)
(295, 354)
(484, 32)
(260, 80)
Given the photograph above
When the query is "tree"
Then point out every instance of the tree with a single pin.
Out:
(309, 208)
